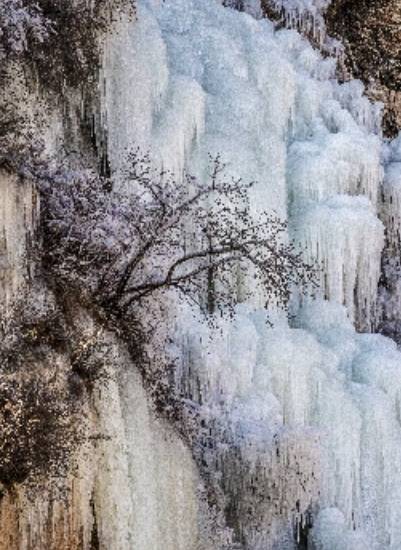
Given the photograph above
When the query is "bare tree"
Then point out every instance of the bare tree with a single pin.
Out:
(121, 247)
(118, 245)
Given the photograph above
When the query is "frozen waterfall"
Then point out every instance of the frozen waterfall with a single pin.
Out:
(189, 78)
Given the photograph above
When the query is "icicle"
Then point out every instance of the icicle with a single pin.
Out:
(346, 239)
(300, 408)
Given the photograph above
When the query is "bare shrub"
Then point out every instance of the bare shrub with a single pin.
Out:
(38, 427)
(32, 321)
(120, 248)
(42, 392)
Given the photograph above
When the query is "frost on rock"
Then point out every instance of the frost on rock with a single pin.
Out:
(390, 290)
(310, 409)
(19, 25)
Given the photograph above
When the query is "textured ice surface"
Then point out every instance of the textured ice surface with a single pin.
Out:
(192, 78)
(321, 375)
(207, 79)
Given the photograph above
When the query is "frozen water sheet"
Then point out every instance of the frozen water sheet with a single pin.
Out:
(321, 376)
(190, 78)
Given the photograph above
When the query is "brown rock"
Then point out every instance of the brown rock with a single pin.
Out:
(371, 33)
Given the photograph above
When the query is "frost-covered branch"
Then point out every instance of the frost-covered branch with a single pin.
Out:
(22, 26)
(159, 234)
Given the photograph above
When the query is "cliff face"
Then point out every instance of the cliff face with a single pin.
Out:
(81, 468)
(131, 483)
(371, 34)
(19, 210)
(82, 465)
(288, 421)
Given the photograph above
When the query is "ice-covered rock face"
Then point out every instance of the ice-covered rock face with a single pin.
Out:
(390, 211)
(193, 78)
(321, 375)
